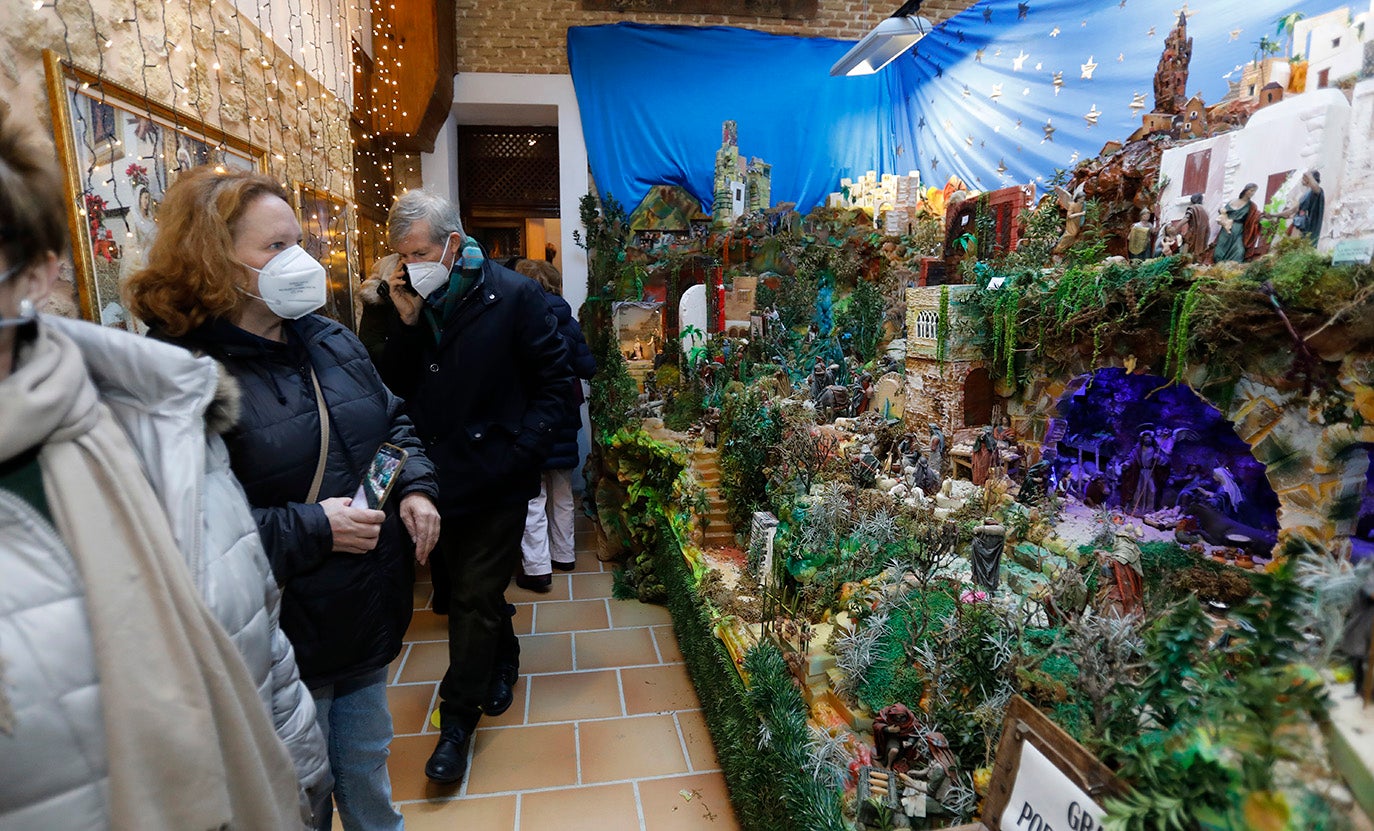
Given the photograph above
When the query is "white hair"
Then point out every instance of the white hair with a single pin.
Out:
(422, 206)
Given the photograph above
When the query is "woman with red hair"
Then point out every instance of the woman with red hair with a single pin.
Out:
(227, 277)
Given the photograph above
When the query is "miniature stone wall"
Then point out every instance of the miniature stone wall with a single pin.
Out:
(530, 36)
(1354, 215)
(215, 66)
(935, 388)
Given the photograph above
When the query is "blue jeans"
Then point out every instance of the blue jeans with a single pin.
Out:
(356, 722)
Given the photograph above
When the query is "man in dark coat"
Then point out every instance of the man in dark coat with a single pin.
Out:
(477, 355)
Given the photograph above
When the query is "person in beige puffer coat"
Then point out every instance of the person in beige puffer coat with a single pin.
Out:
(146, 417)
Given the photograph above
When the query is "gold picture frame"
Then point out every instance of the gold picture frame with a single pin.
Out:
(120, 151)
(327, 235)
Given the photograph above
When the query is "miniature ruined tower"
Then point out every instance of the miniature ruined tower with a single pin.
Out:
(760, 185)
(1171, 78)
(729, 170)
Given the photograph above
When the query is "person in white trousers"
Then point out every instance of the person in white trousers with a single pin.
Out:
(548, 541)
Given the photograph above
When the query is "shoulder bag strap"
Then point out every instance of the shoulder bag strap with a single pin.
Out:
(324, 439)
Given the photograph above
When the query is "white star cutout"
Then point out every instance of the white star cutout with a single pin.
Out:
(1019, 61)
(1054, 33)
(996, 91)
(1088, 68)
(1092, 116)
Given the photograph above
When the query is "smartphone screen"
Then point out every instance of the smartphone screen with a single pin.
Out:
(381, 477)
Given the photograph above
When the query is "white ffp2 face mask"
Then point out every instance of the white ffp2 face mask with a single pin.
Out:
(427, 277)
(292, 284)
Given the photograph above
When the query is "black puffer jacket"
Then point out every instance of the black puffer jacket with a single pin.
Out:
(564, 455)
(487, 394)
(344, 613)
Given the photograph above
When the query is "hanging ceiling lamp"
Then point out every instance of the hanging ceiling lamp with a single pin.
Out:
(888, 40)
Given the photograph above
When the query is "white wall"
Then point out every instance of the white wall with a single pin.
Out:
(529, 99)
(1354, 216)
(316, 34)
(1172, 201)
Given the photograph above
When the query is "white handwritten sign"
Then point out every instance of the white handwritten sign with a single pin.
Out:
(1044, 799)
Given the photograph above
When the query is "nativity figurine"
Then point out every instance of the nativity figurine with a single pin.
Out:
(1239, 238)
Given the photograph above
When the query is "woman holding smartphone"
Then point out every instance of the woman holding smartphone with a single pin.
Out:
(227, 277)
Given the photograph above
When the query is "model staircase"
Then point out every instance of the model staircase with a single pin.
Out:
(639, 370)
(706, 465)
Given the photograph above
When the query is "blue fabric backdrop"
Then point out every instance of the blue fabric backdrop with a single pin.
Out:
(977, 98)
(653, 98)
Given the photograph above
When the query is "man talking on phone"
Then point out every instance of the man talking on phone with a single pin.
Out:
(477, 355)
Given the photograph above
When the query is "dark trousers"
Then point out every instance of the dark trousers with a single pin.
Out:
(480, 553)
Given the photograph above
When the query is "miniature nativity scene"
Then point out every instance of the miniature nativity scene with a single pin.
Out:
(1098, 446)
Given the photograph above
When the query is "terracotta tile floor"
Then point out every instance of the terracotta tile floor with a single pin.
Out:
(606, 732)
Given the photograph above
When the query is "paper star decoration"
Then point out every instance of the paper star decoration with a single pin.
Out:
(969, 141)
(1054, 33)
(1018, 62)
(978, 55)
(1137, 103)
(987, 14)
(1092, 116)
(1039, 65)
(1049, 131)
(1150, 33)
(1022, 9)
(1088, 68)
(996, 92)
(1001, 167)
(1074, 157)
(934, 163)
(1058, 81)
(1235, 34)
(1026, 91)
(1121, 57)
(967, 91)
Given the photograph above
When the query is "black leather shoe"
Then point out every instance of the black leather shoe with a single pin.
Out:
(499, 693)
(449, 761)
(562, 566)
(534, 582)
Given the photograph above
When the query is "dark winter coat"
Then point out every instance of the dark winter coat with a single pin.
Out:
(344, 613)
(565, 455)
(487, 394)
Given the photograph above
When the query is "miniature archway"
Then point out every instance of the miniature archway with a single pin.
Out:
(978, 397)
(1109, 419)
(1309, 465)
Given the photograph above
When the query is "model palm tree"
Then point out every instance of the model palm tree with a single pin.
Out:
(1287, 26)
(1264, 47)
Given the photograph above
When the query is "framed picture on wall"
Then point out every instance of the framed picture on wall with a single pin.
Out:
(120, 152)
(326, 231)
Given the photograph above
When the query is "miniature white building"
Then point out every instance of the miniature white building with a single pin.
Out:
(1333, 44)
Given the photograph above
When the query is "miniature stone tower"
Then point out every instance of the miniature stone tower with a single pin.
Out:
(1171, 78)
(730, 172)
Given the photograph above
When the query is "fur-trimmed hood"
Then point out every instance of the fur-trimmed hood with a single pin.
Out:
(153, 376)
(370, 294)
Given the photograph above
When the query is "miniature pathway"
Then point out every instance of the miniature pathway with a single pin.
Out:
(606, 732)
